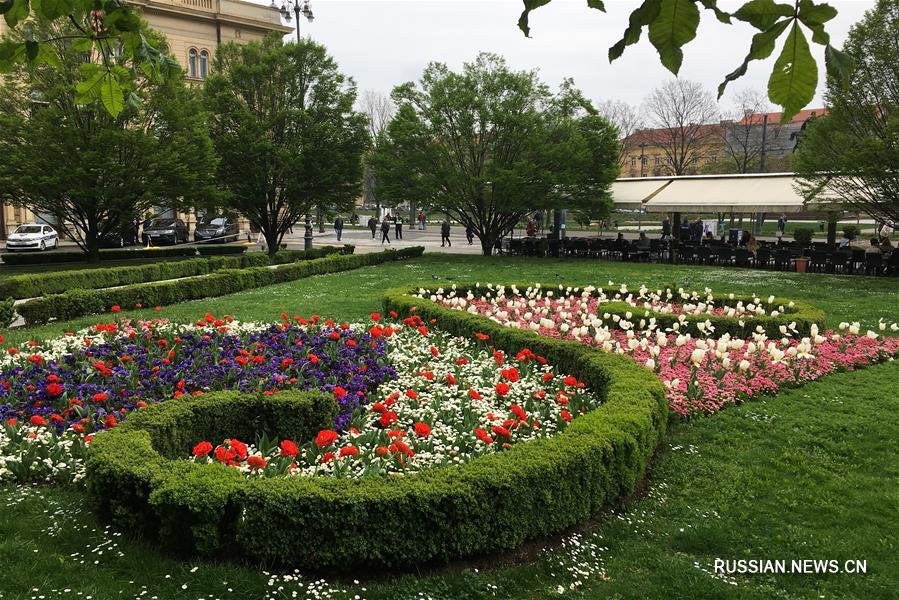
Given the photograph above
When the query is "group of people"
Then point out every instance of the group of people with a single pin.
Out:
(397, 221)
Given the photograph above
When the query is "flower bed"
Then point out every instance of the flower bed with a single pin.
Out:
(701, 373)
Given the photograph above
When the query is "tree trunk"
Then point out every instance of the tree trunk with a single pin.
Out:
(92, 242)
(272, 240)
(487, 243)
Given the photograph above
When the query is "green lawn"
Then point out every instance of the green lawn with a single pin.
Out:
(810, 474)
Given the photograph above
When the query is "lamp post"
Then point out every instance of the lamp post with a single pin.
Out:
(305, 10)
(642, 160)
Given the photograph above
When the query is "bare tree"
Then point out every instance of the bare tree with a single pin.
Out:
(626, 118)
(684, 117)
(743, 133)
(380, 110)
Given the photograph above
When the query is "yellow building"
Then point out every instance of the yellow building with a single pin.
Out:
(682, 151)
(194, 29)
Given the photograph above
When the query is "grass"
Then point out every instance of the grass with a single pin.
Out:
(811, 473)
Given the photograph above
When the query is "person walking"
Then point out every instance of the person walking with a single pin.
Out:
(666, 228)
(373, 225)
(398, 226)
(421, 220)
(445, 234)
(338, 227)
(385, 231)
(781, 225)
(469, 233)
(531, 228)
(538, 218)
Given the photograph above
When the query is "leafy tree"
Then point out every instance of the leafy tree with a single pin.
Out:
(849, 157)
(671, 24)
(284, 126)
(489, 145)
(118, 48)
(65, 155)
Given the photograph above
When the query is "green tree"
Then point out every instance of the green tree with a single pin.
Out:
(118, 48)
(66, 156)
(284, 126)
(850, 156)
(488, 145)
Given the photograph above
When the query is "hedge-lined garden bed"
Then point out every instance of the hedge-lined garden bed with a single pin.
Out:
(81, 302)
(42, 284)
(45, 258)
(493, 503)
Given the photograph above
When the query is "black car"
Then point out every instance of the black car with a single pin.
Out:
(165, 231)
(118, 237)
(219, 229)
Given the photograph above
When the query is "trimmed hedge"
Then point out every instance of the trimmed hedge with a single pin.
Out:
(803, 314)
(33, 286)
(490, 504)
(78, 302)
(43, 258)
(7, 312)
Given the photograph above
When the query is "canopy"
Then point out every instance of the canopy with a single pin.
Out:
(743, 193)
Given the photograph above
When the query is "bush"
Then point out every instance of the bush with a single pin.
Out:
(78, 303)
(851, 231)
(803, 236)
(490, 504)
(7, 312)
(43, 258)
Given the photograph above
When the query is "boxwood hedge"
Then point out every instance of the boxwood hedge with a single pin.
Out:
(43, 258)
(491, 504)
(41, 284)
(801, 314)
(81, 302)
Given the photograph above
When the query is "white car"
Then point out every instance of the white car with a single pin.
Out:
(32, 237)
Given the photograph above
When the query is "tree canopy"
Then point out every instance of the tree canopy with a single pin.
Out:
(851, 155)
(66, 156)
(283, 124)
(487, 145)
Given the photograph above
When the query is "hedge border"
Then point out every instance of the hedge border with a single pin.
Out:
(41, 258)
(42, 284)
(493, 503)
(803, 314)
(79, 303)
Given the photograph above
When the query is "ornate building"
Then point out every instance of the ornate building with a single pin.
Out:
(194, 29)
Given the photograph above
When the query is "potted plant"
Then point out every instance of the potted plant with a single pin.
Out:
(803, 237)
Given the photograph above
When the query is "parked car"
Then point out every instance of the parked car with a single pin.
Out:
(165, 231)
(220, 228)
(119, 237)
(32, 237)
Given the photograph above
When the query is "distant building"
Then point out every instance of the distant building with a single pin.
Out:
(194, 29)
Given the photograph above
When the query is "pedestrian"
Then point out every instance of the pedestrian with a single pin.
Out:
(538, 218)
(385, 231)
(781, 225)
(531, 228)
(338, 227)
(398, 226)
(421, 220)
(666, 228)
(373, 225)
(469, 233)
(445, 234)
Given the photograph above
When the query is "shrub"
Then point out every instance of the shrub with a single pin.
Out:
(42, 258)
(803, 236)
(78, 303)
(7, 312)
(490, 504)
(851, 231)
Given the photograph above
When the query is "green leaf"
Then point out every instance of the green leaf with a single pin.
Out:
(32, 50)
(674, 26)
(762, 46)
(16, 13)
(641, 17)
(839, 64)
(531, 5)
(762, 14)
(5, 6)
(815, 14)
(712, 5)
(10, 53)
(597, 4)
(111, 94)
(53, 9)
(795, 77)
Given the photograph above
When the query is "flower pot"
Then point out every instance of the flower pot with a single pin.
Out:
(802, 264)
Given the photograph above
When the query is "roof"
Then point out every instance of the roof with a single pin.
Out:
(742, 193)
(657, 136)
(774, 117)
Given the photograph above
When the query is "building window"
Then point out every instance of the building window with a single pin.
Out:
(204, 64)
(658, 160)
(192, 60)
(713, 158)
(633, 161)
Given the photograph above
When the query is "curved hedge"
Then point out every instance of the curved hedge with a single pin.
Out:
(802, 314)
(42, 284)
(492, 503)
(80, 302)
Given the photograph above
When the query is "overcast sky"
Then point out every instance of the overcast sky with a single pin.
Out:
(385, 42)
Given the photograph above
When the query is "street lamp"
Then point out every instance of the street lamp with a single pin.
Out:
(642, 160)
(306, 11)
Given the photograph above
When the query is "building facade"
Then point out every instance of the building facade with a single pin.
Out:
(194, 29)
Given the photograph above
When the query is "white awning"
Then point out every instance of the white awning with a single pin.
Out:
(728, 193)
(633, 193)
